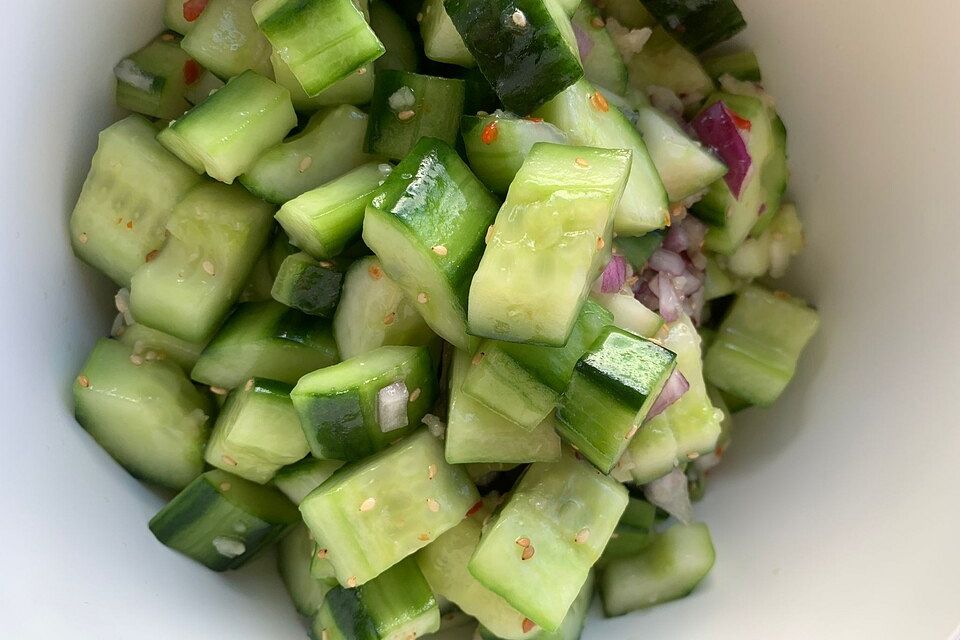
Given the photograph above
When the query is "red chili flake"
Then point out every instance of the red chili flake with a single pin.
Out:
(742, 123)
(191, 71)
(193, 8)
(475, 508)
(490, 133)
(527, 625)
(599, 102)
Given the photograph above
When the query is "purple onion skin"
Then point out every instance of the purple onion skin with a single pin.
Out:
(674, 388)
(584, 41)
(614, 275)
(717, 129)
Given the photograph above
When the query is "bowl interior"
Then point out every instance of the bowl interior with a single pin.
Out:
(834, 515)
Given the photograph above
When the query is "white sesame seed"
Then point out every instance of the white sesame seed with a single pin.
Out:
(422, 298)
(136, 359)
(433, 505)
(405, 115)
(597, 22)
(389, 318)
(432, 472)
(249, 385)
(361, 71)
(523, 542)
(581, 162)
(167, 37)
(352, 582)
(693, 456)
(582, 536)
(322, 554)
(519, 18)
(440, 250)
(326, 264)
(82, 238)
(224, 486)
(527, 553)
(632, 432)
(228, 460)
(220, 391)
(208, 267)
(413, 396)
(305, 163)
(489, 235)
(150, 355)
(83, 381)
(368, 504)
(424, 537)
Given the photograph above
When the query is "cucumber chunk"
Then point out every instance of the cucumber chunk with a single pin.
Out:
(356, 88)
(633, 533)
(742, 65)
(497, 145)
(698, 25)
(294, 554)
(412, 483)
(475, 433)
(663, 62)
(362, 405)
(143, 340)
(776, 174)
(329, 146)
(585, 116)
(133, 186)
(265, 340)
(374, 313)
(224, 134)
(613, 388)
(407, 107)
(323, 221)
(538, 551)
(174, 18)
(145, 413)
(215, 235)
(602, 63)
(222, 521)
(525, 48)
(396, 605)
(637, 250)
(670, 567)
(441, 40)
(153, 81)
(322, 41)
(684, 165)
(226, 40)
(257, 432)
(402, 52)
(570, 629)
(629, 313)
(427, 225)
(497, 381)
(551, 240)
(297, 480)
(308, 285)
(755, 354)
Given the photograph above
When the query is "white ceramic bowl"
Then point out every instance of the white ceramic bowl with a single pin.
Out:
(837, 513)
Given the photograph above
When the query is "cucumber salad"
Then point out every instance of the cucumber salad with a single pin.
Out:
(451, 302)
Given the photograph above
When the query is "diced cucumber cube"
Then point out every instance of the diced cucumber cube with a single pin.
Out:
(602, 63)
(755, 354)
(742, 65)
(372, 514)
(475, 433)
(611, 392)
(427, 225)
(525, 48)
(668, 568)
(497, 145)
(402, 52)
(145, 413)
(226, 133)
(500, 383)
(570, 629)
(330, 145)
(396, 605)
(296, 481)
(257, 432)
(294, 554)
(633, 533)
(226, 39)
(629, 313)
(222, 521)
(441, 40)
(143, 340)
(373, 312)
(153, 81)
(360, 406)
(409, 106)
(131, 190)
(356, 88)
(538, 551)
(265, 340)
(216, 234)
(322, 41)
(551, 240)
(663, 62)
(308, 285)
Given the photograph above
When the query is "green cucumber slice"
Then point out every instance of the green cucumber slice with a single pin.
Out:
(423, 495)
(427, 225)
(330, 145)
(602, 64)
(297, 480)
(698, 25)
(294, 554)
(663, 62)
(358, 407)
(356, 88)
(153, 81)
(629, 313)
(226, 40)
(551, 239)
(441, 40)
(374, 313)
(143, 340)
(226, 133)
(570, 629)
(497, 381)
(257, 432)
(402, 53)
(308, 285)
(223, 521)
(145, 413)
(742, 65)
(133, 186)
(537, 552)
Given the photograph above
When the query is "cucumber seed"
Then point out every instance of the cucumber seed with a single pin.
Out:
(422, 298)
(208, 267)
(305, 163)
(368, 504)
(519, 18)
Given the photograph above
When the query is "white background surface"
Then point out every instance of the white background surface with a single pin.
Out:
(838, 513)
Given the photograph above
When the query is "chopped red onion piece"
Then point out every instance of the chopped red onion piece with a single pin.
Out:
(584, 41)
(614, 275)
(392, 403)
(671, 493)
(663, 260)
(669, 300)
(674, 388)
(717, 129)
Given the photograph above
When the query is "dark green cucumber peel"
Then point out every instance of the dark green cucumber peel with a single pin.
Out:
(308, 285)
(698, 25)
